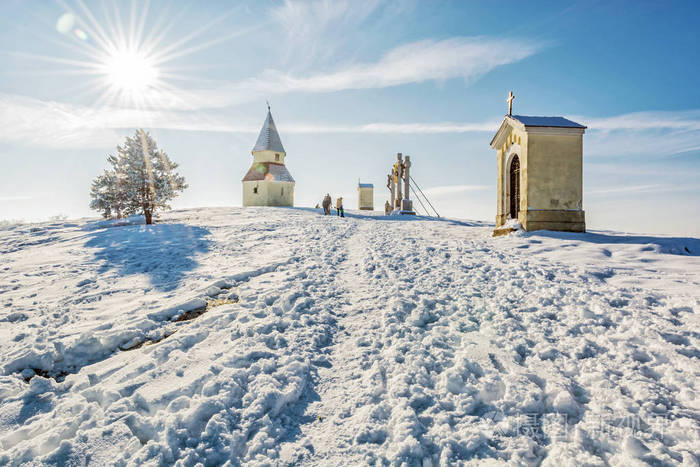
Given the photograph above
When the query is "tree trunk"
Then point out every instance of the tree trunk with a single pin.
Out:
(149, 216)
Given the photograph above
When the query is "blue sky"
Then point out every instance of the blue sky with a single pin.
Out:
(351, 83)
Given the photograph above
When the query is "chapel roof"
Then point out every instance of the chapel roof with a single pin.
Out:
(268, 171)
(269, 139)
(553, 122)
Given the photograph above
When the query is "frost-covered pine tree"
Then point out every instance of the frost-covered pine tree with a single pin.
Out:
(107, 196)
(141, 180)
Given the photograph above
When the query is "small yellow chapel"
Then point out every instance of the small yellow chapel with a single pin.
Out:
(268, 182)
(540, 173)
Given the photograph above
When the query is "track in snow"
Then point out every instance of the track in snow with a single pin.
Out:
(414, 341)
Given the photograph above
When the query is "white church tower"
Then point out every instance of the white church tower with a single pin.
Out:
(268, 182)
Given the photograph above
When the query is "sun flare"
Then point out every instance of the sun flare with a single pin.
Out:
(127, 58)
(130, 72)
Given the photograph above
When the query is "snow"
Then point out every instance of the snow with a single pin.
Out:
(512, 224)
(546, 121)
(273, 336)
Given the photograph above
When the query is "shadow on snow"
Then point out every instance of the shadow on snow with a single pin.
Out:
(164, 252)
(687, 246)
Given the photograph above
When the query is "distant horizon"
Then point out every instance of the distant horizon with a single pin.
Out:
(351, 211)
(350, 85)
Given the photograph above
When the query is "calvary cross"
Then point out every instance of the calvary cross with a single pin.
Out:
(511, 96)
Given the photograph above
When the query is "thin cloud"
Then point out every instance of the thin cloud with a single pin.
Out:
(394, 128)
(638, 189)
(318, 31)
(643, 143)
(661, 133)
(417, 62)
(466, 58)
(33, 122)
(681, 120)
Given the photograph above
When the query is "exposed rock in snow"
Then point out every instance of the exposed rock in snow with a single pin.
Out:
(279, 336)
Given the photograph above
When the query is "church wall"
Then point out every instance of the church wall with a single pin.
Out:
(500, 214)
(524, 156)
(254, 199)
(554, 172)
(269, 193)
(269, 156)
(365, 199)
(280, 193)
(516, 144)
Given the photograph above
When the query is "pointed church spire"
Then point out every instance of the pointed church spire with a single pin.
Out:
(269, 139)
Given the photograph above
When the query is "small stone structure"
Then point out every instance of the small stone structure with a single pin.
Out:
(268, 182)
(540, 173)
(365, 196)
(400, 177)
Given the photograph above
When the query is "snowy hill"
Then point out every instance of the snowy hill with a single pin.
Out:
(279, 336)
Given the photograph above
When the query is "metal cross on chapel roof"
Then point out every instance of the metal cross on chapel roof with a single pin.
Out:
(511, 96)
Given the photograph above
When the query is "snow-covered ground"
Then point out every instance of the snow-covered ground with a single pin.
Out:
(280, 336)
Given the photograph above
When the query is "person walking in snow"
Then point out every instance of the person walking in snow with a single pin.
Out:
(327, 204)
(339, 207)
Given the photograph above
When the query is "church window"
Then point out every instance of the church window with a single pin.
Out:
(277, 157)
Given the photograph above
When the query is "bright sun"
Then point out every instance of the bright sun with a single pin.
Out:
(129, 62)
(130, 72)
